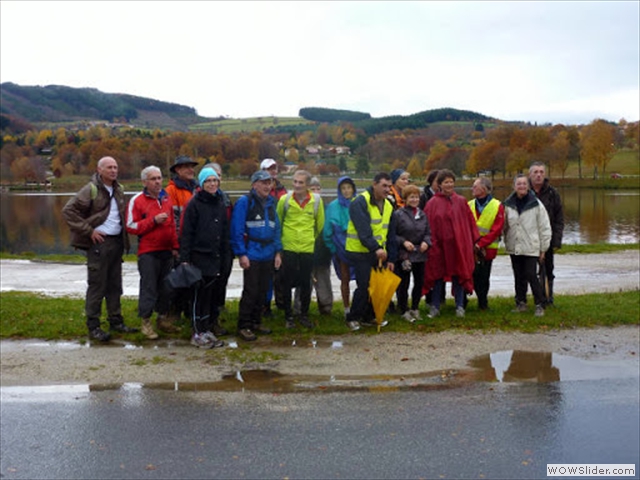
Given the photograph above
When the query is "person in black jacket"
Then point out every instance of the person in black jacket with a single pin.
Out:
(205, 244)
(413, 237)
(552, 202)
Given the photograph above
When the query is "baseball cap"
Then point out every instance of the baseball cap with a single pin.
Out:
(259, 176)
(267, 163)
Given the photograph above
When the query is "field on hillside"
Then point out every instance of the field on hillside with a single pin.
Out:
(231, 125)
(625, 162)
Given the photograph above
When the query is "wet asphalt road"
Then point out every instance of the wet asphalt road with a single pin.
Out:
(473, 430)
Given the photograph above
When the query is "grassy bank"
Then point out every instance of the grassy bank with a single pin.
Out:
(29, 315)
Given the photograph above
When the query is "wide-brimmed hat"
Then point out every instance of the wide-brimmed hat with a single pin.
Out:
(182, 160)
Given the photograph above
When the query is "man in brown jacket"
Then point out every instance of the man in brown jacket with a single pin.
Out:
(95, 216)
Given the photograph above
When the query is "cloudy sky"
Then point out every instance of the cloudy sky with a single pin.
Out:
(558, 62)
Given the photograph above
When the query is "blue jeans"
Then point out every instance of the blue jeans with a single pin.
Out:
(438, 290)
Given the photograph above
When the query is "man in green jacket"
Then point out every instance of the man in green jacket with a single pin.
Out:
(96, 219)
(301, 215)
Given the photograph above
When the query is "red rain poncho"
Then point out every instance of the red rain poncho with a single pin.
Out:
(453, 234)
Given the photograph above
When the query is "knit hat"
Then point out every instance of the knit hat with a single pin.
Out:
(395, 175)
(206, 173)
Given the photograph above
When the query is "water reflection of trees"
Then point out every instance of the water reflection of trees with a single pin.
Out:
(34, 223)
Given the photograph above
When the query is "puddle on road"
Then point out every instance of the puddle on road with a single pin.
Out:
(271, 381)
(527, 366)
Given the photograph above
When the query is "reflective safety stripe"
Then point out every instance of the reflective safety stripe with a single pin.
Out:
(379, 226)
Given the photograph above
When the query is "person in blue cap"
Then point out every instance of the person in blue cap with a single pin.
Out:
(255, 240)
(205, 244)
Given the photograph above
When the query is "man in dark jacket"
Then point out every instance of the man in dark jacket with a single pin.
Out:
(550, 198)
(95, 216)
(370, 221)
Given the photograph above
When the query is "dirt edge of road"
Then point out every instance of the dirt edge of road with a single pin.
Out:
(32, 362)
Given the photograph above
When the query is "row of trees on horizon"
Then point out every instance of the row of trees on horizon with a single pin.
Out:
(500, 148)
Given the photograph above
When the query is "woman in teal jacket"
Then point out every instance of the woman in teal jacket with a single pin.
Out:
(335, 235)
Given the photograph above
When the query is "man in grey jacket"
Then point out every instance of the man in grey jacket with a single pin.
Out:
(95, 216)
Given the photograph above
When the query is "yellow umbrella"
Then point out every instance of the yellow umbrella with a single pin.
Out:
(383, 283)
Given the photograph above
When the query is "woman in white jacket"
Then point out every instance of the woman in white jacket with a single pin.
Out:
(527, 235)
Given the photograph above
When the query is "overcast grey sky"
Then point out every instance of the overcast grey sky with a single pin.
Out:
(558, 62)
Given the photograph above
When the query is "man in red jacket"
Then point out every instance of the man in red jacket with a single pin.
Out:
(150, 218)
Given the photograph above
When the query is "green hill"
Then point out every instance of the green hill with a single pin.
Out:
(57, 104)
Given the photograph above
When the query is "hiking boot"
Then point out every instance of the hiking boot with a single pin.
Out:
(99, 335)
(215, 342)
(520, 308)
(165, 325)
(200, 340)
(147, 329)
(460, 312)
(353, 325)
(219, 330)
(305, 322)
(122, 328)
(259, 328)
(539, 311)
(289, 323)
(373, 323)
(408, 317)
(433, 312)
(247, 335)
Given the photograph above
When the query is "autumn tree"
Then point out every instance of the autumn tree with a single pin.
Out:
(560, 148)
(598, 145)
(414, 168)
(518, 160)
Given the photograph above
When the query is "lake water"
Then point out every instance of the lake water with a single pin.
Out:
(32, 222)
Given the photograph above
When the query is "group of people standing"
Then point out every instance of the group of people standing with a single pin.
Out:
(286, 243)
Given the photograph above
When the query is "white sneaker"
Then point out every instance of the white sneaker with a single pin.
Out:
(539, 311)
(353, 325)
(415, 314)
(460, 312)
(408, 316)
(434, 312)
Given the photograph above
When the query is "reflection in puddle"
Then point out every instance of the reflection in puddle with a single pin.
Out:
(525, 366)
(260, 381)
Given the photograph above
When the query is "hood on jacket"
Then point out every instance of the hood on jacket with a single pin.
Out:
(345, 201)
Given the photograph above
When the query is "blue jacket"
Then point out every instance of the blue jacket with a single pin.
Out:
(255, 228)
(336, 220)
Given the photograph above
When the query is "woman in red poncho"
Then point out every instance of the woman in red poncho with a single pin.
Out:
(453, 235)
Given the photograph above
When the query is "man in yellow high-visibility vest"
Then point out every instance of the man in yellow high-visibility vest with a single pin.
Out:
(370, 221)
(489, 215)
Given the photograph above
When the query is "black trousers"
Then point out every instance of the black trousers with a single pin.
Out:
(525, 274)
(104, 279)
(361, 308)
(402, 293)
(296, 272)
(205, 311)
(481, 283)
(254, 290)
(153, 293)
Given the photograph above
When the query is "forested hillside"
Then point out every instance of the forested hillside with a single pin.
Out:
(57, 104)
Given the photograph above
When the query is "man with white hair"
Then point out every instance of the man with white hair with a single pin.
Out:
(95, 216)
(150, 218)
